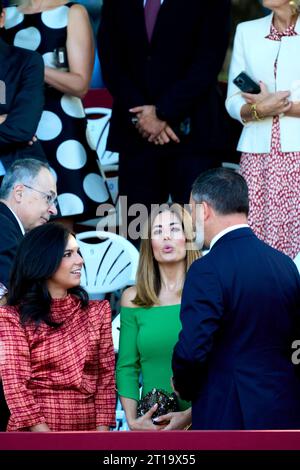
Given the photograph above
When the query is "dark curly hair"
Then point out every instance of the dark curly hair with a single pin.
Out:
(37, 259)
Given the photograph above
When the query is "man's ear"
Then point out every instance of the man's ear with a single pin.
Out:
(207, 210)
(18, 192)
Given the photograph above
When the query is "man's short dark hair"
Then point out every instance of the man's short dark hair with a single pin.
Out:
(21, 171)
(224, 189)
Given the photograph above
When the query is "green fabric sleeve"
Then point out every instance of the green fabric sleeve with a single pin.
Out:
(128, 365)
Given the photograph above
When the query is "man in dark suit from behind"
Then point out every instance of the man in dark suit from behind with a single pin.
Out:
(27, 199)
(240, 313)
(160, 61)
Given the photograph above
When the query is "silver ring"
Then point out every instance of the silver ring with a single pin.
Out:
(134, 120)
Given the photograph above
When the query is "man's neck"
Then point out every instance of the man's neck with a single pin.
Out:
(223, 223)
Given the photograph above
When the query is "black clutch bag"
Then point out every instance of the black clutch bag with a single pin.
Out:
(167, 403)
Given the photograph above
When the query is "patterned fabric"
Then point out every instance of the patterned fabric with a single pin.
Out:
(61, 376)
(62, 128)
(274, 181)
(276, 35)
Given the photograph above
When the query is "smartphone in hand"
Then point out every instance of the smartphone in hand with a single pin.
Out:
(246, 84)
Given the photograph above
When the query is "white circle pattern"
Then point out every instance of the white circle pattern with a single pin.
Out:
(83, 189)
(71, 154)
(70, 204)
(49, 59)
(28, 38)
(49, 127)
(72, 106)
(13, 17)
(95, 188)
(56, 18)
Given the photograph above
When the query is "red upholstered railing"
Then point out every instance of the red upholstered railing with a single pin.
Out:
(174, 440)
(97, 97)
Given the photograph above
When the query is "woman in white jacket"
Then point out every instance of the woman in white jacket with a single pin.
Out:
(268, 50)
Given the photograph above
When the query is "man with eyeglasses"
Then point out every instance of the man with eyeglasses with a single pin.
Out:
(27, 199)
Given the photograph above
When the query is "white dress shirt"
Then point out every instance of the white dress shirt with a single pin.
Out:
(18, 220)
(161, 2)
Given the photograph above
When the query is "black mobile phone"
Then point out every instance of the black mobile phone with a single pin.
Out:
(246, 84)
(60, 57)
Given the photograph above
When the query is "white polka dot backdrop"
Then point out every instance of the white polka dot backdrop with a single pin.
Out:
(49, 127)
(95, 188)
(70, 204)
(71, 154)
(13, 17)
(28, 38)
(72, 106)
(56, 18)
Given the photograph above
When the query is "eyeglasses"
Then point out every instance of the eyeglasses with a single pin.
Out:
(50, 198)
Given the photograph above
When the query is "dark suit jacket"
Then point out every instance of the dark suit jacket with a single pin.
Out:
(177, 72)
(22, 87)
(10, 237)
(239, 314)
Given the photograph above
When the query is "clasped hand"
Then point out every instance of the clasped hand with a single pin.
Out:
(151, 127)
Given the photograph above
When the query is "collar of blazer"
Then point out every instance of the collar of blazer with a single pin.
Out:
(243, 232)
(7, 213)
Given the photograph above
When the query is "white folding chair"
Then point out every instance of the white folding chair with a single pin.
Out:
(97, 131)
(110, 261)
(231, 166)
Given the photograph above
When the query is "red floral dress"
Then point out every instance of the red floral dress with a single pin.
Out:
(274, 186)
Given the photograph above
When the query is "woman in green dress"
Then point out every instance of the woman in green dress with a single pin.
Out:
(150, 317)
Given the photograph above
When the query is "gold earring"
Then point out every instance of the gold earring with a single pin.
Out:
(294, 4)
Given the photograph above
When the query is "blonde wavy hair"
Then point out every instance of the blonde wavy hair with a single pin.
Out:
(148, 282)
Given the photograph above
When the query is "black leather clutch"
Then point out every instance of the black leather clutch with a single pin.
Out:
(167, 403)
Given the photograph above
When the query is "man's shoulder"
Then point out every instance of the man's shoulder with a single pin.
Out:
(8, 221)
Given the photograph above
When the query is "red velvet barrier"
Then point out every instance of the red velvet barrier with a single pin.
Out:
(174, 440)
(97, 97)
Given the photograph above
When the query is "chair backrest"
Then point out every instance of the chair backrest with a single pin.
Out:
(98, 120)
(110, 261)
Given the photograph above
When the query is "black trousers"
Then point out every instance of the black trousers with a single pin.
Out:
(152, 174)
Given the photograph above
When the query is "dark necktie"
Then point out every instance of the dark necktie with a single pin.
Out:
(151, 10)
